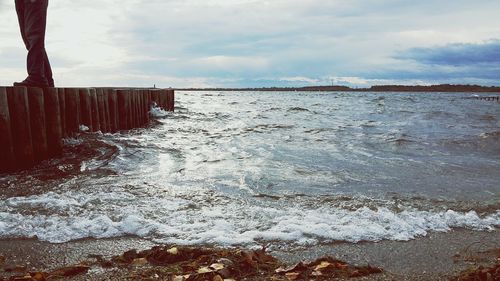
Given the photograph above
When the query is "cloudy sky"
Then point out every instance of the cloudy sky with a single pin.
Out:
(243, 43)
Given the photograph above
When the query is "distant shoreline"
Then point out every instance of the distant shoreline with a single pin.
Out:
(380, 88)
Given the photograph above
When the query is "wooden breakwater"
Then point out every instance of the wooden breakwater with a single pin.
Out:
(34, 121)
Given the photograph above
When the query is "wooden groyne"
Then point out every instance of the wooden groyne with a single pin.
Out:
(34, 121)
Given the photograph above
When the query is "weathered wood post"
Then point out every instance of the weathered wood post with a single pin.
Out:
(20, 126)
(102, 110)
(142, 108)
(171, 100)
(132, 124)
(86, 108)
(107, 114)
(53, 121)
(7, 159)
(163, 99)
(96, 123)
(147, 104)
(145, 107)
(155, 97)
(139, 107)
(149, 100)
(62, 110)
(37, 123)
(123, 111)
(113, 110)
(72, 96)
(137, 113)
(167, 100)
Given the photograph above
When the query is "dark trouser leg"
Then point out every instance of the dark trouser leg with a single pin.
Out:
(48, 70)
(32, 16)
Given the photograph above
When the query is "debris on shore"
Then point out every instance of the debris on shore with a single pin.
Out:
(480, 273)
(196, 264)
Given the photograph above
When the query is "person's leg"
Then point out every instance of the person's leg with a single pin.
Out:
(20, 18)
(48, 70)
(46, 65)
(35, 20)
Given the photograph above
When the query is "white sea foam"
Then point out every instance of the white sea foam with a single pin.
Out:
(84, 128)
(157, 111)
(72, 141)
(73, 215)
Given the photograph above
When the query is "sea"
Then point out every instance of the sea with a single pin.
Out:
(288, 169)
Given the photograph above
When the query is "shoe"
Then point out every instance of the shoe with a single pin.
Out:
(51, 82)
(31, 83)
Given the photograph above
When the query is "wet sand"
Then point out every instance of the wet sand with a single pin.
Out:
(435, 257)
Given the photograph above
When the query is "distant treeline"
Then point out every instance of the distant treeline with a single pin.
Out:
(379, 88)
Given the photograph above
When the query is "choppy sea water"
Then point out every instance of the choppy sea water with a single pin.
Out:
(279, 168)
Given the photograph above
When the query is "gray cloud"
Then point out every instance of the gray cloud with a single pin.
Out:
(226, 42)
(487, 53)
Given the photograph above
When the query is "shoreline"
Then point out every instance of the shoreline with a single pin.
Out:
(438, 256)
(443, 88)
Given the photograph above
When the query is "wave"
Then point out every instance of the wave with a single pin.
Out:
(74, 215)
(493, 135)
(298, 109)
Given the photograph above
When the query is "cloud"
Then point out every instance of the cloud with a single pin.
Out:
(299, 79)
(487, 53)
(242, 43)
(232, 63)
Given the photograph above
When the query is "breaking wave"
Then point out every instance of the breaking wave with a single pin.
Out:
(64, 217)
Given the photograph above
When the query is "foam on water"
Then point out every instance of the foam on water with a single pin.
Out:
(156, 111)
(280, 168)
(74, 215)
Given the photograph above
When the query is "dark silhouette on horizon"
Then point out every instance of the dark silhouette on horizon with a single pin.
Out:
(378, 88)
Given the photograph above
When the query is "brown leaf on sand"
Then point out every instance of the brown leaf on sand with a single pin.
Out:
(217, 266)
(39, 276)
(69, 271)
(22, 278)
(217, 278)
(296, 267)
(204, 270)
(292, 275)
(139, 262)
(322, 265)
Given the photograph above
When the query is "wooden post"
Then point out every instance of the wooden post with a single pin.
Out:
(20, 125)
(147, 106)
(53, 121)
(96, 123)
(141, 111)
(123, 112)
(163, 99)
(113, 110)
(170, 100)
(37, 123)
(86, 108)
(155, 97)
(136, 109)
(7, 159)
(72, 96)
(149, 101)
(62, 110)
(131, 109)
(167, 100)
(102, 110)
(141, 107)
(107, 114)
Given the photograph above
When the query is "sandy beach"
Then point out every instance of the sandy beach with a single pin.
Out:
(439, 256)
